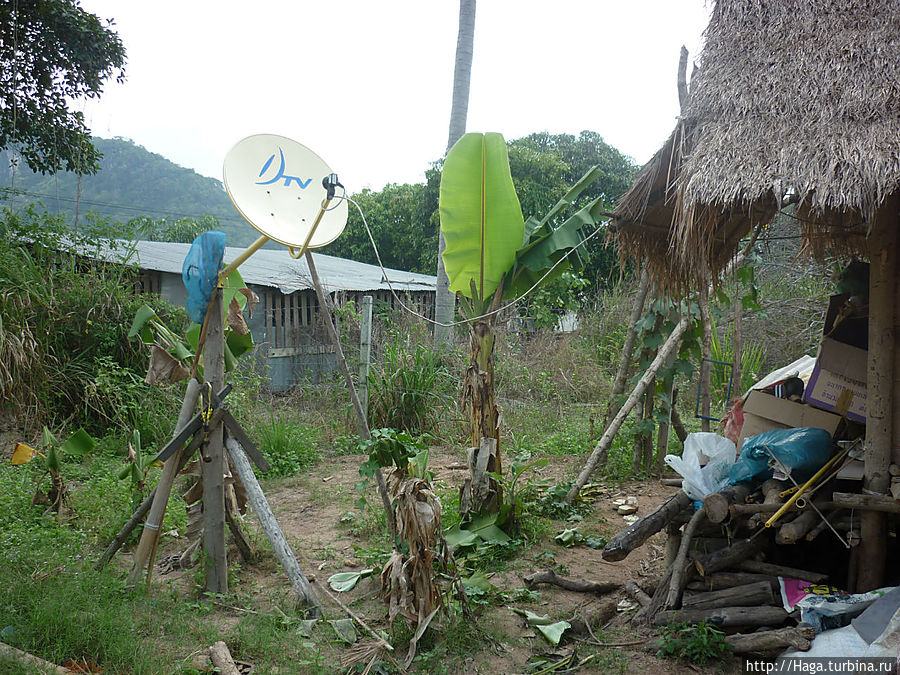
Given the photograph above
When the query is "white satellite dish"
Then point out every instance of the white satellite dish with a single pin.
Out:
(276, 184)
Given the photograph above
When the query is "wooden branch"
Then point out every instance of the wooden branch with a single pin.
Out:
(749, 595)
(720, 580)
(880, 503)
(679, 568)
(744, 510)
(641, 530)
(682, 77)
(270, 526)
(773, 641)
(725, 617)
(221, 659)
(759, 567)
(601, 450)
(353, 615)
(548, 576)
(831, 519)
(794, 531)
(717, 504)
(32, 661)
(361, 417)
(637, 593)
(726, 557)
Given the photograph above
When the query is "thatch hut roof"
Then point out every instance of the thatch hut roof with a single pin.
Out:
(793, 99)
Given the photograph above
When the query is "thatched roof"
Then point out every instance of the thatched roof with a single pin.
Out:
(793, 99)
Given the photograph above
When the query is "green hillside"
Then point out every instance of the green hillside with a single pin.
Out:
(131, 182)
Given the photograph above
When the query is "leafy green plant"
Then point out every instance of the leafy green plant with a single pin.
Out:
(409, 387)
(700, 643)
(136, 468)
(51, 452)
(389, 447)
(289, 446)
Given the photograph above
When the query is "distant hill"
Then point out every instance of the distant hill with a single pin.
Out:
(132, 181)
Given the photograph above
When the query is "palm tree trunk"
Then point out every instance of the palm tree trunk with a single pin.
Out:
(444, 302)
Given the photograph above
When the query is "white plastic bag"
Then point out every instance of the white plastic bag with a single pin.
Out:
(704, 464)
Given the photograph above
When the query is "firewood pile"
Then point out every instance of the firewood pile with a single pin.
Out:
(724, 557)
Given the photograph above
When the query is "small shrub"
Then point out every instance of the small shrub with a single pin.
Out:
(290, 447)
(701, 643)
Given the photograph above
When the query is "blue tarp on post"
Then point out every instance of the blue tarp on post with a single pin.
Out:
(200, 272)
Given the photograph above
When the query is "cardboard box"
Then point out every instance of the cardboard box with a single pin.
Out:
(764, 412)
(838, 367)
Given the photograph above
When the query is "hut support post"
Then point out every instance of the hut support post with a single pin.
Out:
(879, 395)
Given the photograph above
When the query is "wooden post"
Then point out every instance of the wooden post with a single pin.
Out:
(150, 533)
(879, 390)
(362, 419)
(628, 348)
(213, 456)
(270, 526)
(365, 352)
(706, 353)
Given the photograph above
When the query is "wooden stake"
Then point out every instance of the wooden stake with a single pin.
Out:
(365, 352)
(679, 568)
(213, 464)
(270, 526)
(361, 417)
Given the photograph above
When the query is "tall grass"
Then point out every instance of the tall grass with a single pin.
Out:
(409, 386)
(65, 357)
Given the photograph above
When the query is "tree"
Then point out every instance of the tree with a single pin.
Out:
(444, 306)
(53, 53)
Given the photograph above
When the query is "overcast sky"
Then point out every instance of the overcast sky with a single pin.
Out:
(367, 85)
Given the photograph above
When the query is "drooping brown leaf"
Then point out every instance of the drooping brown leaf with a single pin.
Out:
(252, 300)
(164, 367)
(235, 318)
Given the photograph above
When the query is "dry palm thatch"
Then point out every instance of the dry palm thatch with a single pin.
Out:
(794, 100)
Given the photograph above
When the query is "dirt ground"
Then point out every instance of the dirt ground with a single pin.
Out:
(311, 508)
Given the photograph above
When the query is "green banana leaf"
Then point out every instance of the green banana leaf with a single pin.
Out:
(78, 444)
(481, 217)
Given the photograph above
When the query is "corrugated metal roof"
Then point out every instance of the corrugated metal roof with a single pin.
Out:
(275, 268)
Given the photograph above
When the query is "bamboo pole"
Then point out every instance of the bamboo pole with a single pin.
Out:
(879, 390)
(157, 508)
(263, 512)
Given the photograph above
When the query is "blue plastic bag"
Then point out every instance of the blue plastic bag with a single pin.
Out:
(804, 451)
(200, 272)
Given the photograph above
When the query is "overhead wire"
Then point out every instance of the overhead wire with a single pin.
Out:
(480, 316)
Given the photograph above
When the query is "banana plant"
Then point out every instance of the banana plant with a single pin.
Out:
(51, 451)
(172, 355)
(492, 253)
(136, 468)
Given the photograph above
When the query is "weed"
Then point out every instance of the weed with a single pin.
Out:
(289, 446)
(700, 643)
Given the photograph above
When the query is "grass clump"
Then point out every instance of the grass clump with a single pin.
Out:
(701, 643)
(290, 446)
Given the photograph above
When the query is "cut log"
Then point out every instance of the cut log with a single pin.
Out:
(717, 503)
(640, 531)
(744, 510)
(772, 641)
(720, 580)
(880, 503)
(759, 567)
(725, 617)
(594, 617)
(727, 557)
(750, 595)
(221, 659)
(673, 543)
(794, 531)
(550, 577)
(701, 546)
(832, 519)
(637, 593)
(680, 568)
(672, 482)
(261, 508)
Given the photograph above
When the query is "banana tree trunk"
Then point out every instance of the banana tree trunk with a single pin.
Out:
(485, 424)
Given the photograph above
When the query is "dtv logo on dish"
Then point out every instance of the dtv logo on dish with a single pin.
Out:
(280, 173)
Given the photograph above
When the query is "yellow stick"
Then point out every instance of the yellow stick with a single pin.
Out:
(803, 488)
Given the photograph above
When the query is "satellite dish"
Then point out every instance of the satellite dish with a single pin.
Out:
(276, 185)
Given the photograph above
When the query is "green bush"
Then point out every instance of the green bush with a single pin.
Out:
(409, 386)
(289, 446)
(64, 352)
(701, 643)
